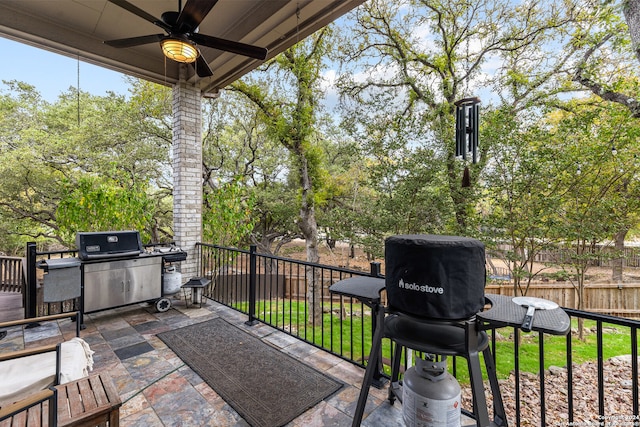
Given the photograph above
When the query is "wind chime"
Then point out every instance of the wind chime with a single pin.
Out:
(467, 125)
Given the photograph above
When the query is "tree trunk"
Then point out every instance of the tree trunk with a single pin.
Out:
(580, 292)
(616, 271)
(293, 127)
(632, 16)
(309, 228)
(516, 279)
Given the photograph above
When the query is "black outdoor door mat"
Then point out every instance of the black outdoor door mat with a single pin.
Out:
(265, 386)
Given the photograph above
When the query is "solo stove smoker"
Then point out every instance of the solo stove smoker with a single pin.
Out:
(436, 306)
(439, 280)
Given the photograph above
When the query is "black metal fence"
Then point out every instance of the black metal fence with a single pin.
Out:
(275, 291)
(545, 380)
(33, 302)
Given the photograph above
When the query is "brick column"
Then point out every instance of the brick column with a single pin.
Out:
(186, 153)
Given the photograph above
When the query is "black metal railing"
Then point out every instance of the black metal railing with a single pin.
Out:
(275, 291)
(34, 306)
(571, 381)
(546, 380)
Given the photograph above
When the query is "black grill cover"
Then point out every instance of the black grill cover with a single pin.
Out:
(108, 244)
(437, 277)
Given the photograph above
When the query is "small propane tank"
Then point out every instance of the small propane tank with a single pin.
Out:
(430, 395)
(171, 281)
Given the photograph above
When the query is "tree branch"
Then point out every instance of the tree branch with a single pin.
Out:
(582, 76)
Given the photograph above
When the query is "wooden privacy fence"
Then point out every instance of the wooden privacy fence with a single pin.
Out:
(606, 256)
(617, 300)
(12, 278)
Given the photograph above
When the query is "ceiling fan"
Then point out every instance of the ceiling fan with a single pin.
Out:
(182, 37)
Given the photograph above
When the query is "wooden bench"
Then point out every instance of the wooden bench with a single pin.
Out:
(89, 402)
(30, 412)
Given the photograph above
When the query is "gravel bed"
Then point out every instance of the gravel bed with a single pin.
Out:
(618, 396)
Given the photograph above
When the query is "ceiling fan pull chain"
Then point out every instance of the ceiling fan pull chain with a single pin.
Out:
(78, 86)
(297, 22)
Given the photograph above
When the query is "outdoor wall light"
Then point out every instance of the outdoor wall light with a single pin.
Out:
(179, 49)
(197, 285)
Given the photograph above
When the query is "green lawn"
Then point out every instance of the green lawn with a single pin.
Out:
(350, 337)
(616, 341)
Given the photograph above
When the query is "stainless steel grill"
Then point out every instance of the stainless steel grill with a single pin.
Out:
(117, 271)
(112, 283)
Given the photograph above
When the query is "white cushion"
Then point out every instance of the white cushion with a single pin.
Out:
(25, 375)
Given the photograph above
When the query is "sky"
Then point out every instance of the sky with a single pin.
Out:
(52, 74)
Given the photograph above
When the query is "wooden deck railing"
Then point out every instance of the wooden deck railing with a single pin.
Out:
(12, 274)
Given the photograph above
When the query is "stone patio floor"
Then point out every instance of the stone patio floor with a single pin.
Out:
(158, 389)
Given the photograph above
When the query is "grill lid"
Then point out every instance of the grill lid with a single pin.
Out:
(108, 244)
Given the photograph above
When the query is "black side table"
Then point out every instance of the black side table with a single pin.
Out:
(504, 312)
(367, 290)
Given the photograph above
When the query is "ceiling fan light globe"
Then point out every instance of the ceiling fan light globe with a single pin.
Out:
(179, 50)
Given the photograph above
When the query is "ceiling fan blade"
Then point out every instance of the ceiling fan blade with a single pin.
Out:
(135, 41)
(193, 13)
(230, 46)
(202, 67)
(141, 13)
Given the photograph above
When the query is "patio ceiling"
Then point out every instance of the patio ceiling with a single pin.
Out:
(78, 28)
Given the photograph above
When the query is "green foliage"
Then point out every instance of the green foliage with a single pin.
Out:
(237, 147)
(227, 219)
(398, 184)
(46, 147)
(390, 169)
(93, 204)
(599, 188)
(286, 92)
(520, 196)
(422, 81)
(555, 181)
